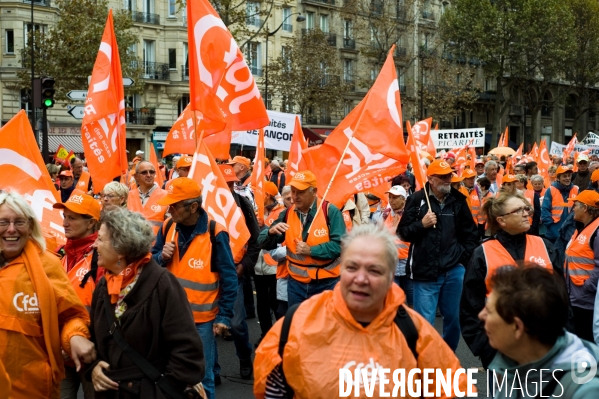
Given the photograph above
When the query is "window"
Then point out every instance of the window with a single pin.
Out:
(183, 103)
(324, 23)
(148, 6)
(129, 5)
(347, 107)
(149, 56)
(185, 61)
(287, 104)
(253, 58)
(348, 75)
(9, 44)
(374, 72)
(347, 29)
(310, 20)
(172, 8)
(401, 77)
(287, 22)
(36, 28)
(267, 102)
(286, 55)
(252, 13)
(172, 58)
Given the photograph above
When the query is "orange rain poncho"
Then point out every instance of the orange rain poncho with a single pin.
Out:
(39, 313)
(324, 338)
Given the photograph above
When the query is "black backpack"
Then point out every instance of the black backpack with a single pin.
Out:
(402, 320)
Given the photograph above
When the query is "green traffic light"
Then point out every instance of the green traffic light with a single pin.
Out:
(48, 102)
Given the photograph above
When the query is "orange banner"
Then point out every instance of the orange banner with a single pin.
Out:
(298, 144)
(257, 177)
(418, 167)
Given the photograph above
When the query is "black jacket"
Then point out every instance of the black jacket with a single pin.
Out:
(474, 292)
(437, 249)
(253, 250)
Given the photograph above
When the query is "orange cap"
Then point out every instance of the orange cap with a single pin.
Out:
(456, 179)
(184, 162)
(181, 189)
(242, 160)
(562, 169)
(65, 173)
(595, 176)
(271, 189)
(439, 167)
(588, 197)
(303, 180)
(509, 179)
(81, 203)
(228, 172)
(468, 173)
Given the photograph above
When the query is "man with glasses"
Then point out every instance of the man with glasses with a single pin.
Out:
(442, 237)
(196, 250)
(555, 208)
(144, 198)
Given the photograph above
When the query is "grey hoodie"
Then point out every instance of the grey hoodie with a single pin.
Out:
(559, 357)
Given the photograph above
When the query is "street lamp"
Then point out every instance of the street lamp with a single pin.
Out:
(300, 18)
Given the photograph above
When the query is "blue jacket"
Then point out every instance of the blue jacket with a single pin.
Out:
(553, 228)
(222, 258)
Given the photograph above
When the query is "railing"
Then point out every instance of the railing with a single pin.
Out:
(184, 72)
(400, 51)
(140, 116)
(329, 2)
(349, 43)
(428, 15)
(254, 21)
(154, 70)
(145, 17)
(45, 3)
(288, 27)
(487, 96)
(255, 71)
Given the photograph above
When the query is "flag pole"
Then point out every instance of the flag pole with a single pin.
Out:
(198, 143)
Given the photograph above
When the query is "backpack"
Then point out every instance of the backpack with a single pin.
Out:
(402, 319)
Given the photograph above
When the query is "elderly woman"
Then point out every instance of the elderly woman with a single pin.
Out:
(115, 194)
(521, 182)
(358, 314)
(140, 308)
(508, 219)
(524, 319)
(41, 312)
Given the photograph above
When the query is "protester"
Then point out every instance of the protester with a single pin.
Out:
(582, 177)
(356, 211)
(43, 313)
(508, 185)
(521, 182)
(278, 175)
(479, 167)
(555, 208)
(279, 255)
(508, 218)
(312, 258)
(531, 168)
(582, 262)
(350, 325)
(442, 237)
(211, 286)
(551, 173)
(139, 156)
(145, 197)
(53, 170)
(491, 169)
(66, 185)
(520, 169)
(524, 318)
(241, 168)
(115, 194)
(472, 198)
(82, 179)
(593, 166)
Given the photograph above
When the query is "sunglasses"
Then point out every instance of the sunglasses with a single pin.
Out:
(147, 172)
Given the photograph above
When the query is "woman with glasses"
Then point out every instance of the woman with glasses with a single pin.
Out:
(508, 219)
(114, 194)
(41, 313)
(144, 198)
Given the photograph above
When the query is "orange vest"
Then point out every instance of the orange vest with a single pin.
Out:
(195, 274)
(347, 220)
(402, 247)
(83, 182)
(557, 202)
(153, 212)
(305, 268)
(580, 256)
(474, 203)
(497, 256)
(76, 275)
(269, 219)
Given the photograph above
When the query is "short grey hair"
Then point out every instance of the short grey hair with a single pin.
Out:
(117, 188)
(189, 202)
(535, 178)
(131, 234)
(142, 162)
(285, 190)
(375, 232)
(275, 163)
(490, 164)
(21, 207)
(593, 164)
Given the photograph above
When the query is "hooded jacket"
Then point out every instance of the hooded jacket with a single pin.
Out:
(562, 356)
(324, 338)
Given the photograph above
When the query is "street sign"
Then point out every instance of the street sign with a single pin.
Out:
(76, 111)
(126, 81)
(77, 95)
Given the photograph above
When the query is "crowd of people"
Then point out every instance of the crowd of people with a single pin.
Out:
(130, 306)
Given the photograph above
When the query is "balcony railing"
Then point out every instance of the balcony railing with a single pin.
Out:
(154, 70)
(45, 3)
(288, 27)
(428, 15)
(256, 71)
(140, 116)
(401, 51)
(349, 43)
(145, 17)
(254, 21)
(184, 72)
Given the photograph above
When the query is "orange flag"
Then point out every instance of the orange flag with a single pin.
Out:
(506, 138)
(499, 178)
(418, 167)
(217, 198)
(219, 144)
(500, 143)
(222, 88)
(257, 177)
(154, 161)
(570, 147)
(423, 137)
(519, 152)
(298, 144)
(535, 152)
(22, 169)
(543, 160)
(103, 127)
(472, 153)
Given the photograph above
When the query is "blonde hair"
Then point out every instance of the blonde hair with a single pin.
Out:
(494, 208)
(119, 189)
(21, 207)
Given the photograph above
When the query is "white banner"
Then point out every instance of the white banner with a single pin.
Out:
(277, 135)
(591, 139)
(558, 149)
(458, 137)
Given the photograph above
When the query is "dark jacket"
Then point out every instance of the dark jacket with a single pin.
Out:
(253, 250)
(536, 217)
(581, 179)
(474, 291)
(278, 178)
(437, 249)
(158, 324)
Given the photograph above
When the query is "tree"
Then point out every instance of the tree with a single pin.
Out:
(68, 51)
(307, 77)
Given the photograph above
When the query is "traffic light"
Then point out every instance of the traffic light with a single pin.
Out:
(48, 92)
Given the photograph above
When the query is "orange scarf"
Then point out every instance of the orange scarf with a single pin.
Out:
(116, 283)
(48, 308)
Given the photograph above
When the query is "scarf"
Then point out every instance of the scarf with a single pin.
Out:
(75, 250)
(116, 283)
(48, 308)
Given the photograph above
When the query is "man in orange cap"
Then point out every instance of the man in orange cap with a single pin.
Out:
(442, 237)
(80, 261)
(241, 168)
(182, 168)
(470, 190)
(555, 208)
(144, 198)
(197, 251)
(508, 184)
(66, 184)
(312, 231)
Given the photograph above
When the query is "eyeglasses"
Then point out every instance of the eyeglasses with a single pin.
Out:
(108, 196)
(19, 223)
(147, 172)
(524, 210)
